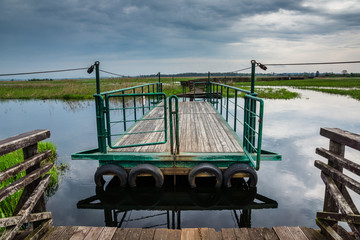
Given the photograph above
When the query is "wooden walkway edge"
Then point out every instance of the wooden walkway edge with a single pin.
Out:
(113, 233)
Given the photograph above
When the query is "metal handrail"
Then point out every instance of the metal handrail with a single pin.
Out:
(252, 109)
(108, 118)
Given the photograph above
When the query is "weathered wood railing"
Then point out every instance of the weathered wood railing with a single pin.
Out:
(31, 206)
(338, 205)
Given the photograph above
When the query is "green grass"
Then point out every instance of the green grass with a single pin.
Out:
(316, 84)
(8, 205)
(353, 93)
(81, 89)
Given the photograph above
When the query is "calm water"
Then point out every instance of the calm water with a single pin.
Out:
(291, 127)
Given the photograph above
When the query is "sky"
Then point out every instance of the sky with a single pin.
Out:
(145, 37)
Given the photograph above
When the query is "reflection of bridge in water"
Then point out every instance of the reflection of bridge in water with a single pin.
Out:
(169, 201)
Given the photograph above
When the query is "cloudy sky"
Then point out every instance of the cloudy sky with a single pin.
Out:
(144, 37)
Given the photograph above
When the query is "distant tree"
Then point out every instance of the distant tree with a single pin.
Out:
(344, 72)
(317, 74)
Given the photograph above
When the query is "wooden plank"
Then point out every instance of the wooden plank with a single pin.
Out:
(108, 233)
(66, 235)
(40, 230)
(341, 136)
(344, 234)
(161, 234)
(28, 206)
(190, 234)
(328, 231)
(22, 182)
(80, 233)
(339, 199)
(147, 234)
(228, 234)
(22, 140)
(350, 218)
(242, 233)
(338, 176)
(120, 234)
(174, 234)
(12, 171)
(54, 233)
(94, 233)
(213, 235)
(336, 194)
(262, 233)
(345, 163)
(133, 233)
(10, 221)
(297, 233)
(312, 233)
(283, 232)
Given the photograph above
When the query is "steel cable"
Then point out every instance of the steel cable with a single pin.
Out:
(39, 72)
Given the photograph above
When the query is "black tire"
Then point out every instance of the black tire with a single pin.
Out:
(205, 168)
(154, 171)
(110, 169)
(240, 168)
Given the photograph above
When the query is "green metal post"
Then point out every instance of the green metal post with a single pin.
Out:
(217, 97)
(142, 101)
(221, 99)
(100, 121)
(124, 111)
(235, 110)
(253, 62)
(149, 97)
(252, 113)
(227, 104)
(158, 87)
(134, 91)
(97, 72)
(174, 125)
(246, 122)
(208, 89)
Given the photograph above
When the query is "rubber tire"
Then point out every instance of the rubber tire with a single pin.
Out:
(240, 168)
(202, 168)
(154, 171)
(110, 169)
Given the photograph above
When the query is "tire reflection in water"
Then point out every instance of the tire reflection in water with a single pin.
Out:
(118, 202)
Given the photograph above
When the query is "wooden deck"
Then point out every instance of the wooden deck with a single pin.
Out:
(201, 130)
(112, 233)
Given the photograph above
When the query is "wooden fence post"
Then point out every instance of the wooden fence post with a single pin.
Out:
(329, 202)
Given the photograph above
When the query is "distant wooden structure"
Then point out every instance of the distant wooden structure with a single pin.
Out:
(338, 204)
(31, 206)
(193, 89)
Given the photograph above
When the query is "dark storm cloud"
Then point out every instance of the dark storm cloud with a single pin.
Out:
(37, 30)
(129, 23)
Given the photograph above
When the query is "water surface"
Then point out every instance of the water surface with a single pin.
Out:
(291, 128)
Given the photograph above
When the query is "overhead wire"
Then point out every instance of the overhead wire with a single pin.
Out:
(314, 63)
(115, 74)
(40, 72)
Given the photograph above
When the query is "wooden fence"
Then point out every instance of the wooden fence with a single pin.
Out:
(338, 204)
(31, 206)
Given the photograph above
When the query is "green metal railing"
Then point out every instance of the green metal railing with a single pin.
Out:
(174, 124)
(240, 108)
(125, 107)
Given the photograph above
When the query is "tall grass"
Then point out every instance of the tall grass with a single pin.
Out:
(8, 205)
(81, 89)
